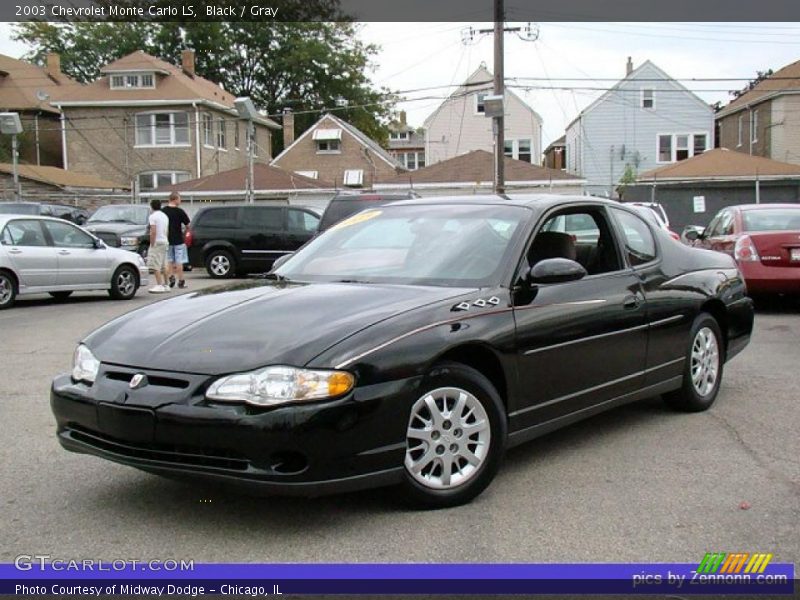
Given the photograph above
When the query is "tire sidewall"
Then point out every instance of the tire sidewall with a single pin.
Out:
(10, 302)
(226, 254)
(115, 291)
(694, 400)
(461, 376)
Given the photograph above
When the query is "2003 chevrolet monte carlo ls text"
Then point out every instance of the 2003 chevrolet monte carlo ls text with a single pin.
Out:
(410, 344)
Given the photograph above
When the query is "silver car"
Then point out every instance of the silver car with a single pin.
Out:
(43, 254)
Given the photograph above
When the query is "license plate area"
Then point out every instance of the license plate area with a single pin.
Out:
(125, 423)
(794, 254)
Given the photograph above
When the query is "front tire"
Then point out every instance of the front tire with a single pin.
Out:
(220, 264)
(455, 438)
(124, 283)
(702, 373)
(8, 290)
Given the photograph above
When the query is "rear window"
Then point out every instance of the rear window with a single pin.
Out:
(217, 217)
(342, 207)
(771, 219)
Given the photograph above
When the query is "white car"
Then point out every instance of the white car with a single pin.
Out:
(43, 254)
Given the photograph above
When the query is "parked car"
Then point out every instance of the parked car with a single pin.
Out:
(231, 239)
(74, 214)
(764, 239)
(44, 254)
(411, 344)
(344, 204)
(659, 216)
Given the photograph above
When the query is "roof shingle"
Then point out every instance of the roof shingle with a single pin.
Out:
(720, 163)
(59, 177)
(784, 79)
(20, 81)
(266, 177)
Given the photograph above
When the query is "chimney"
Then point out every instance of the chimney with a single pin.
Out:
(629, 67)
(402, 117)
(53, 65)
(187, 61)
(288, 127)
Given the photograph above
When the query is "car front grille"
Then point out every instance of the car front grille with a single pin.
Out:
(164, 453)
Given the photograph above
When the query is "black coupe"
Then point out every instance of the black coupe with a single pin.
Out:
(410, 344)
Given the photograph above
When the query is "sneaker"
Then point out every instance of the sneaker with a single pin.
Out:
(157, 289)
(172, 281)
(182, 283)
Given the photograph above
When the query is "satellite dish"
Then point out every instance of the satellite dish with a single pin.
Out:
(41, 95)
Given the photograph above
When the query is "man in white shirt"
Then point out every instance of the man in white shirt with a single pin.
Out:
(157, 254)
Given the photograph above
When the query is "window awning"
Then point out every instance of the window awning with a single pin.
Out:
(327, 134)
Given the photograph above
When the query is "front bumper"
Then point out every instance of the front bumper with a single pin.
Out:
(167, 427)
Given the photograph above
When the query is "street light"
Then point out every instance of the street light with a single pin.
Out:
(10, 124)
(247, 110)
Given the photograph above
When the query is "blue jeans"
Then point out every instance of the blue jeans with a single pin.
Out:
(177, 254)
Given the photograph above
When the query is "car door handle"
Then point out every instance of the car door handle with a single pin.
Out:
(632, 301)
(15, 251)
(64, 252)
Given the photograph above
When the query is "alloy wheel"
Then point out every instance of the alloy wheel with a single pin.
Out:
(705, 361)
(6, 290)
(220, 265)
(126, 283)
(448, 438)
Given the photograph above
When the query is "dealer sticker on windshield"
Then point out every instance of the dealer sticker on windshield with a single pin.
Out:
(359, 218)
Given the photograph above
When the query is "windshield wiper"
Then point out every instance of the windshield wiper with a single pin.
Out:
(351, 281)
(274, 276)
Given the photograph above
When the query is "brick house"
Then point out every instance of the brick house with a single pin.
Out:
(766, 120)
(336, 151)
(29, 90)
(148, 123)
(406, 144)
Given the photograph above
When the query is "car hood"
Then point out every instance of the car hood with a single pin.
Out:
(249, 325)
(118, 228)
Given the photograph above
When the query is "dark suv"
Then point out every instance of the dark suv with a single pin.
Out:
(230, 239)
(74, 214)
(345, 204)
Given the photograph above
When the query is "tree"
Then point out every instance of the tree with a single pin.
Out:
(307, 67)
(628, 177)
(760, 76)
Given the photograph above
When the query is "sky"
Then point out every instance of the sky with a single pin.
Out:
(433, 55)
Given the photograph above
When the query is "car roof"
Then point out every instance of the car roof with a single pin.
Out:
(6, 217)
(533, 201)
(765, 206)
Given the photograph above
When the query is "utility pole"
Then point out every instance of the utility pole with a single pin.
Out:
(499, 90)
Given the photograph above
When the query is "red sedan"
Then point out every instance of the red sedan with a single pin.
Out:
(764, 239)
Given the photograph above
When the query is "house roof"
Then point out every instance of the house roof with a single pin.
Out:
(632, 76)
(721, 163)
(478, 166)
(174, 85)
(481, 79)
(326, 121)
(781, 82)
(562, 141)
(20, 81)
(60, 177)
(266, 177)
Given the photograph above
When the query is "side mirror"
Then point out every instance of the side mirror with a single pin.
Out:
(98, 244)
(693, 233)
(556, 270)
(280, 260)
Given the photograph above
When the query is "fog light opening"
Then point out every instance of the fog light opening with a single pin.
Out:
(288, 463)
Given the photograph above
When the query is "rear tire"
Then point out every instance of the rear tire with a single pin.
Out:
(220, 264)
(60, 296)
(124, 283)
(702, 375)
(455, 438)
(8, 290)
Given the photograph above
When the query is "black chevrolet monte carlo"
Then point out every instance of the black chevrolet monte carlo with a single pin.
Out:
(410, 344)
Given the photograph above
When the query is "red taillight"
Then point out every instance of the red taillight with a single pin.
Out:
(745, 250)
(674, 235)
(188, 238)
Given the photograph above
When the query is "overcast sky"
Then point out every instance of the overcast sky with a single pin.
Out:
(425, 55)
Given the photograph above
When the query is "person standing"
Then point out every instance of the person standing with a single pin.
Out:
(157, 253)
(176, 252)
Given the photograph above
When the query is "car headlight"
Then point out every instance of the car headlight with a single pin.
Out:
(278, 385)
(84, 365)
(129, 241)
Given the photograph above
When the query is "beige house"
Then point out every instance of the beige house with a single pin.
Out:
(459, 125)
(147, 123)
(336, 151)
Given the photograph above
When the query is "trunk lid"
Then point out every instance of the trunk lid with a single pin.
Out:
(777, 248)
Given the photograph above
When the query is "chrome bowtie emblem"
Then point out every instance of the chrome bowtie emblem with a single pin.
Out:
(137, 381)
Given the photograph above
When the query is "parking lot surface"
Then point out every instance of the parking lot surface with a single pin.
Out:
(638, 483)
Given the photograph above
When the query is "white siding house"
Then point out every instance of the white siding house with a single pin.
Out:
(459, 125)
(645, 121)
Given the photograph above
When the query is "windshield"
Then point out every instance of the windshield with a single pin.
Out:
(772, 219)
(453, 245)
(136, 215)
(19, 209)
(344, 206)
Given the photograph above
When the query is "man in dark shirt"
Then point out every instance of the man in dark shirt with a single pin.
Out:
(176, 252)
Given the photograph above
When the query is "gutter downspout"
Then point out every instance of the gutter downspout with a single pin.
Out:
(63, 120)
(36, 128)
(197, 137)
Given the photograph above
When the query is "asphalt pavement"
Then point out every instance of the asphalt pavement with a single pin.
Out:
(639, 483)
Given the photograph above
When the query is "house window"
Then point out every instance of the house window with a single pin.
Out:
(328, 140)
(754, 126)
(700, 143)
(518, 149)
(208, 130)
(221, 133)
(132, 81)
(665, 148)
(162, 129)
(480, 107)
(354, 177)
(648, 98)
(411, 160)
(329, 146)
(398, 135)
(681, 147)
(739, 137)
(151, 180)
(236, 134)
